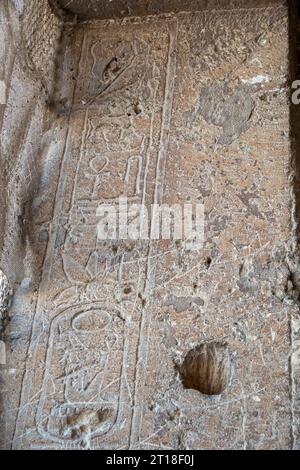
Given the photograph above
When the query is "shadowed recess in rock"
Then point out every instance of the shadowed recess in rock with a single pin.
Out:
(207, 368)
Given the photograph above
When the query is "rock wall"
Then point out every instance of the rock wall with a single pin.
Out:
(151, 344)
(28, 47)
(106, 9)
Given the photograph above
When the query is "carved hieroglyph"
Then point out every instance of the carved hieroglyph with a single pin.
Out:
(84, 353)
(114, 319)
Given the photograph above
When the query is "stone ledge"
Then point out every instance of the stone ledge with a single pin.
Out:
(103, 9)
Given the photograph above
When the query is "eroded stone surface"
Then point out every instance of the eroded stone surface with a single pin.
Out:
(107, 325)
(102, 9)
(5, 293)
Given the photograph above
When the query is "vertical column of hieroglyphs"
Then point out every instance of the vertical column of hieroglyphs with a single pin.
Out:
(79, 385)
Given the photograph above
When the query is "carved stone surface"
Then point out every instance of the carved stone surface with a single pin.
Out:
(102, 9)
(189, 107)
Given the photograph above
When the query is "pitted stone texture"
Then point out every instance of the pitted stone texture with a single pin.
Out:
(109, 326)
(229, 109)
(41, 30)
(104, 9)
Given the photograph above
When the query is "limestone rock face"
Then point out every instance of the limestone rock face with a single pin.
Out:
(102, 9)
(150, 343)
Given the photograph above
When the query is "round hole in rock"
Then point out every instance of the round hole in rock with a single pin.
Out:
(127, 290)
(207, 368)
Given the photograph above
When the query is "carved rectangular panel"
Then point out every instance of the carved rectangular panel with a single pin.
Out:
(86, 331)
(187, 108)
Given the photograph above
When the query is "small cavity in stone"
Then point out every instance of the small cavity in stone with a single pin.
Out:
(207, 368)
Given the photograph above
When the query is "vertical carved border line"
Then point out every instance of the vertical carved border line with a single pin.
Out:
(145, 325)
(29, 399)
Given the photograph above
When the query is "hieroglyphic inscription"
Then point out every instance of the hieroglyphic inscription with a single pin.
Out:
(88, 327)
